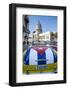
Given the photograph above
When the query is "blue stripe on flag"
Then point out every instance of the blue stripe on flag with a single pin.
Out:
(26, 57)
(41, 59)
(55, 56)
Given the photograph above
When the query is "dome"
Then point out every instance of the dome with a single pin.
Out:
(38, 27)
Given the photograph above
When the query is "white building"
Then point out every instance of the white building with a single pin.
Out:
(47, 36)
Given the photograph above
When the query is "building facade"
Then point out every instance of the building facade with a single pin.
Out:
(25, 30)
(47, 36)
(38, 35)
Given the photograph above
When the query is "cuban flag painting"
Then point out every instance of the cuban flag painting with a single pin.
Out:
(40, 59)
(40, 56)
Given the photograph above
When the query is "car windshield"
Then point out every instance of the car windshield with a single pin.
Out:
(44, 43)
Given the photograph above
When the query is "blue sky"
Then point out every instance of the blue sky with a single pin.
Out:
(48, 23)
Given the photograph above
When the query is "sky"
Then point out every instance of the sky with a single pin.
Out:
(48, 23)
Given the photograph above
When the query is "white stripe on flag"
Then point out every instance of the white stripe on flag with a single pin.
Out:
(33, 57)
(49, 56)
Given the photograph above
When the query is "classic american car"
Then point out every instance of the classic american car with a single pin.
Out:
(40, 58)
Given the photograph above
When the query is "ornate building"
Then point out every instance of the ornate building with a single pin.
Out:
(38, 30)
(38, 35)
